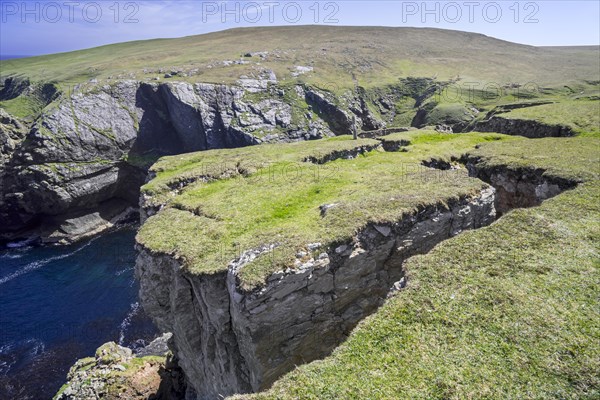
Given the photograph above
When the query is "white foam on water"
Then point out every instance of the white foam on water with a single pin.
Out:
(7, 360)
(121, 272)
(19, 245)
(10, 353)
(11, 256)
(37, 347)
(134, 309)
(32, 266)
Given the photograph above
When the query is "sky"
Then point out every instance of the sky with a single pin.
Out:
(44, 27)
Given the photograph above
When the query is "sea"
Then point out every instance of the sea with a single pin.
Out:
(58, 304)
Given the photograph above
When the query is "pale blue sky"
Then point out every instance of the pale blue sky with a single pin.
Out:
(42, 27)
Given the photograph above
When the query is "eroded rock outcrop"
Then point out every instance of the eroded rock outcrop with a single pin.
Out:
(12, 133)
(232, 337)
(86, 155)
(325, 105)
(115, 372)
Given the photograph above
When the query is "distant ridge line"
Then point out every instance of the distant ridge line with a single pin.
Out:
(12, 56)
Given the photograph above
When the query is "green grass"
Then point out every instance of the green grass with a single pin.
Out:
(575, 106)
(449, 114)
(441, 146)
(376, 56)
(115, 381)
(144, 161)
(21, 107)
(582, 116)
(276, 202)
(509, 311)
(398, 64)
(215, 163)
(576, 159)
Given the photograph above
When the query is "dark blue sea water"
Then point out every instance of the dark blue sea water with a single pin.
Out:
(59, 304)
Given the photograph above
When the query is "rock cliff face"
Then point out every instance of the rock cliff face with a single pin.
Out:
(12, 133)
(518, 188)
(79, 168)
(232, 341)
(527, 128)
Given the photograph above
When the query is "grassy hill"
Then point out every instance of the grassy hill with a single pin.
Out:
(477, 72)
(374, 56)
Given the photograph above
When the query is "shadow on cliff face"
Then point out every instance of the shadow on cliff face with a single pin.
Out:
(13, 88)
(95, 148)
(185, 119)
(156, 133)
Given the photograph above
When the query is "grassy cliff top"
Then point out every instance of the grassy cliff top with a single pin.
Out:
(576, 158)
(508, 311)
(268, 195)
(221, 203)
(374, 56)
(581, 115)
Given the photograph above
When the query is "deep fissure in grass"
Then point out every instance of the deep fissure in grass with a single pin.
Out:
(531, 187)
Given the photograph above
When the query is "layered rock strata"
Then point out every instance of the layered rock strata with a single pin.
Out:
(231, 341)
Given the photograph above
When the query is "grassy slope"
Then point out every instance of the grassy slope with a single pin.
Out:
(486, 72)
(375, 55)
(510, 311)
